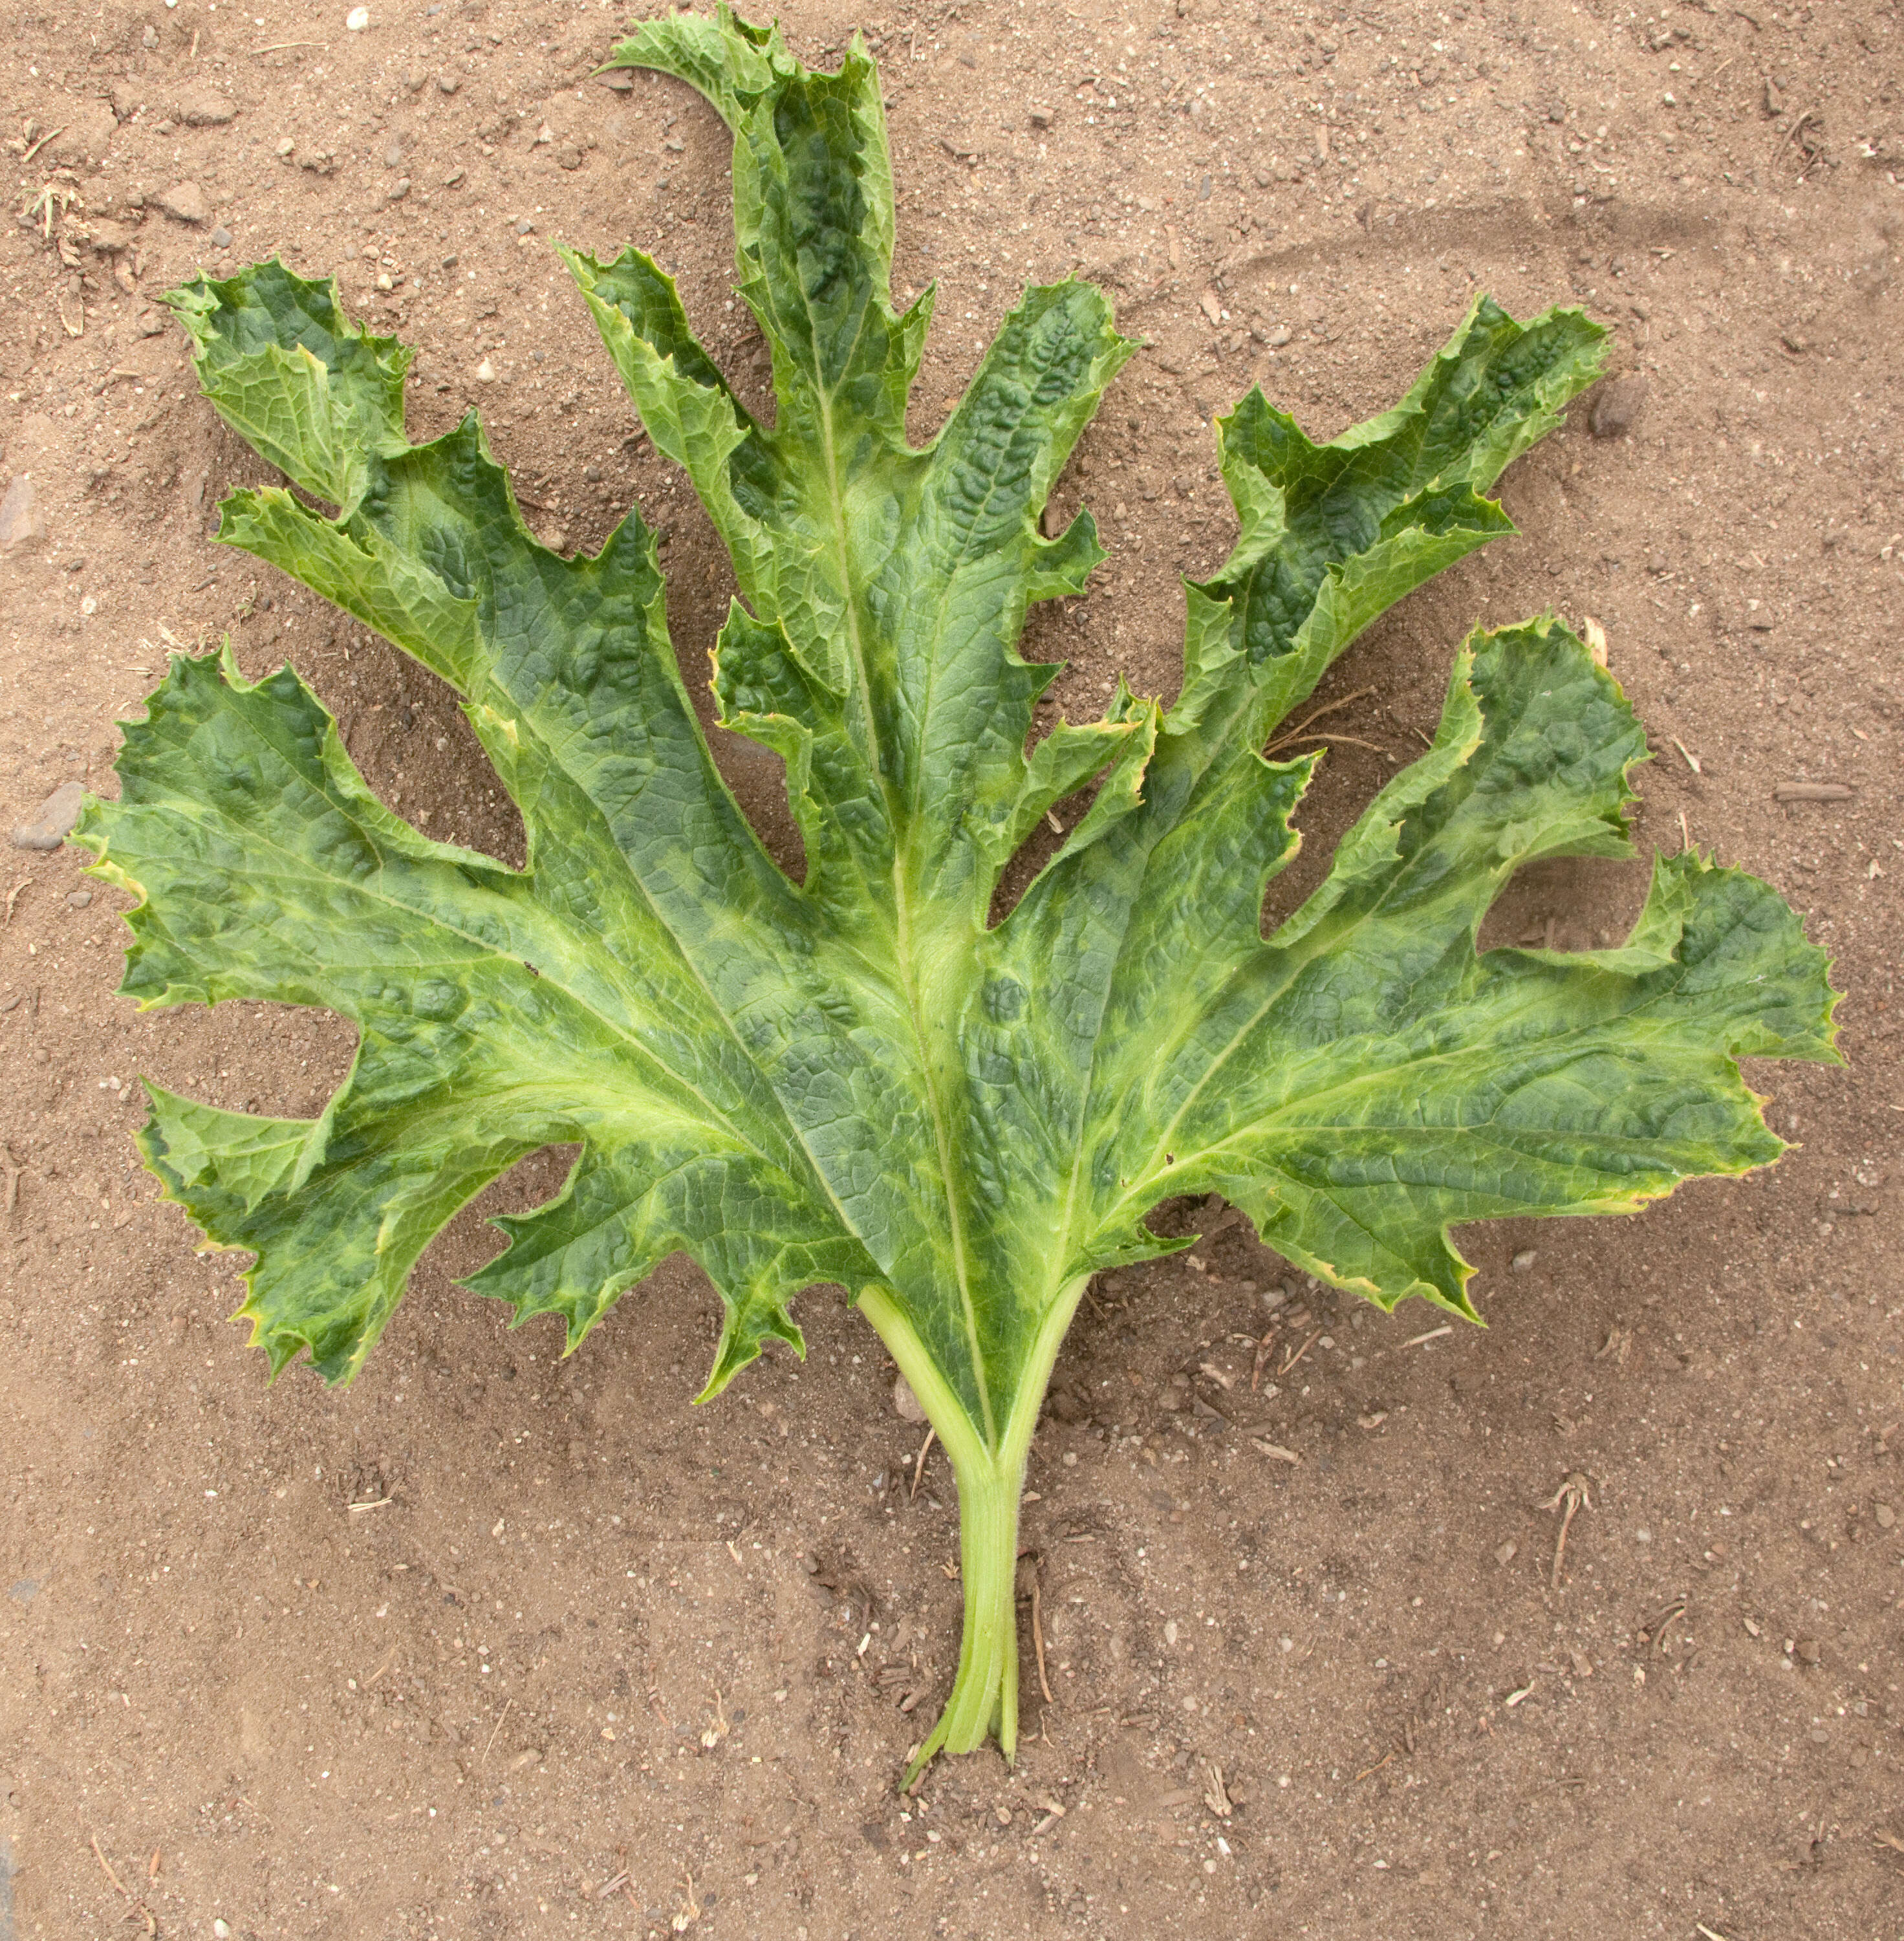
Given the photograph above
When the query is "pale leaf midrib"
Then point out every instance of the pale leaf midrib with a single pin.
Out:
(902, 911)
(1388, 1076)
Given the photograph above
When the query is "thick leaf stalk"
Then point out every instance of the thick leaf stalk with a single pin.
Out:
(991, 1476)
(859, 1077)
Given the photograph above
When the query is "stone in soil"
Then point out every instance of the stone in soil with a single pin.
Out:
(205, 107)
(185, 202)
(20, 514)
(53, 822)
(110, 238)
(905, 1404)
(1616, 407)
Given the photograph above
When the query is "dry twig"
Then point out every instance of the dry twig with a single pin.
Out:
(1572, 1495)
(493, 1731)
(1301, 734)
(919, 1467)
(1038, 1642)
(139, 1908)
(718, 1730)
(688, 1912)
(1262, 1355)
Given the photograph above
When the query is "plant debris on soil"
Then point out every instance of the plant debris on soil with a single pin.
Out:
(495, 1643)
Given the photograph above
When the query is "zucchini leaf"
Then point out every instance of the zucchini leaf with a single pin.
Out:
(859, 1078)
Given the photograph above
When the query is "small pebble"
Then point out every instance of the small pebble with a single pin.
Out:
(905, 1404)
(357, 20)
(1808, 1652)
(1278, 336)
(568, 156)
(220, 237)
(53, 821)
(20, 514)
(448, 83)
(1887, 1516)
(1524, 1260)
(1505, 1553)
(286, 145)
(1616, 407)
(485, 372)
(78, 899)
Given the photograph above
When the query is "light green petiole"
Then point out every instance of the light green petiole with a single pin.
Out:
(984, 1700)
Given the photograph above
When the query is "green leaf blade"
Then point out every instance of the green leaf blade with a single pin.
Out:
(859, 1077)
(1370, 1081)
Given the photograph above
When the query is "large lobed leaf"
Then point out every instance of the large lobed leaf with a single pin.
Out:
(857, 1078)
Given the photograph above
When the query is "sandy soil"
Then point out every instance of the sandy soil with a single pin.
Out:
(496, 1645)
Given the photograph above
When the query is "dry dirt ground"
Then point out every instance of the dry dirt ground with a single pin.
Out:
(496, 1645)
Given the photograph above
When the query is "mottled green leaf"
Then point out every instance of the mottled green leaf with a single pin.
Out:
(860, 1077)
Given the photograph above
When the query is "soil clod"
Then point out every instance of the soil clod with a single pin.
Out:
(53, 821)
